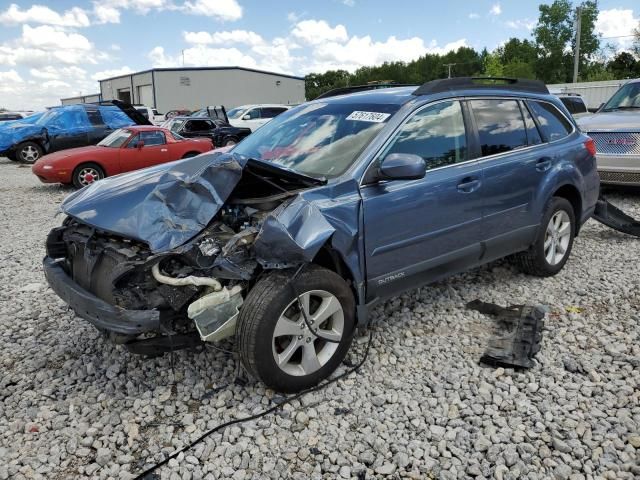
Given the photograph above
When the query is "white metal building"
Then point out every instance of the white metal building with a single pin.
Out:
(94, 97)
(593, 93)
(194, 88)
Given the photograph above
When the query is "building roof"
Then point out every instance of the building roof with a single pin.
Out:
(188, 69)
(82, 96)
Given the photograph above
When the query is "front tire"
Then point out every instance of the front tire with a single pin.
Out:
(230, 141)
(274, 342)
(28, 152)
(86, 174)
(552, 248)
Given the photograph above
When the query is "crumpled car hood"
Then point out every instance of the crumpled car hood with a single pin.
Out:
(611, 121)
(163, 206)
(166, 205)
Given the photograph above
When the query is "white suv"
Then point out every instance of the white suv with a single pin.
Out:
(255, 116)
(615, 128)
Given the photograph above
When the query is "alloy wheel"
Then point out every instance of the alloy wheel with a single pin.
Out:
(557, 237)
(296, 350)
(29, 154)
(88, 175)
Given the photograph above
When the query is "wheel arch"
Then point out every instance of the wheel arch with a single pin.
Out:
(330, 258)
(570, 193)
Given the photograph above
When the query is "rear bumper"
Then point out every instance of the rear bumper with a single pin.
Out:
(96, 311)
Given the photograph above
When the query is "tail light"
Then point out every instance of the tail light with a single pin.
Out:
(590, 145)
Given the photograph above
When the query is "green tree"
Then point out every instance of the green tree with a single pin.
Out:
(624, 65)
(589, 38)
(519, 69)
(493, 66)
(555, 38)
(552, 35)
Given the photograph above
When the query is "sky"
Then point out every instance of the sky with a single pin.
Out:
(61, 48)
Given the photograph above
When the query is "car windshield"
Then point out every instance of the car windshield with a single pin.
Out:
(628, 97)
(174, 125)
(47, 116)
(116, 139)
(318, 139)
(235, 112)
(200, 113)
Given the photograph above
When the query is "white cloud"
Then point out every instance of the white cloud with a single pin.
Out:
(521, 24)
(363, 51)
(222, 9)
(473, 15)
(106, 13)
(496, 9)
(116, 72)
(349, 3)
(47, 45)
(221, 38)
(14, 15)
(316, 32)
(616, 22)
(9, 77)
(56, 73)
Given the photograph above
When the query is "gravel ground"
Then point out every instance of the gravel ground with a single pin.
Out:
(72, 405)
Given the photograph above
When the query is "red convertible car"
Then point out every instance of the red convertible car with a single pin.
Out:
(125, 149)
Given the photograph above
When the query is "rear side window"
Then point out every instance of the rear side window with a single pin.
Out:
(198, 126)
(155, 137)
(437, 134)
(270, 112)
(533, 134)
(500, 125)
(574, 104)
(553, 125)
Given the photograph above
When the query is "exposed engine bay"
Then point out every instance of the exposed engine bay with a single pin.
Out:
(199, 283)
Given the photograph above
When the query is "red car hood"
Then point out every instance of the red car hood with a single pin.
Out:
(71, 152)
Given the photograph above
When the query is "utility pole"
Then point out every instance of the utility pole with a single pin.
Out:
(449, 65)
(576, 54)
(183, 57)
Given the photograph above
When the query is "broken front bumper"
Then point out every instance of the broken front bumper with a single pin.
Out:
(96, 311)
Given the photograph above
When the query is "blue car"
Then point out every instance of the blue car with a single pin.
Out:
(64, 127)
(288, 240)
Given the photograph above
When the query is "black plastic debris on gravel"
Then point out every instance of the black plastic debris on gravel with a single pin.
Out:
(519, 334)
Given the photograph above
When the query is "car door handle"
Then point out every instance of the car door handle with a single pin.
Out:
(468, 185)
(163, 149)
(543, 164)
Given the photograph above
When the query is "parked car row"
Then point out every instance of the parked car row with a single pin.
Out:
(124, 150)
(65, 127)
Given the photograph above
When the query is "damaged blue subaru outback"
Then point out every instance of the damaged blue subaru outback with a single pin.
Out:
(288, 240)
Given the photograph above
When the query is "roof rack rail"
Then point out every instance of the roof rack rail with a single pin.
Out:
(479, 83)
(361, 88)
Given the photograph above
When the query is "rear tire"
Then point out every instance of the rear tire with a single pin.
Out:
(230, 141)
(28, 152)
(552, 247)
(87, 173)
(190, 155)
(290, 358)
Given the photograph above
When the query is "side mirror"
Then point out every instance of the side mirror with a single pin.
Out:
(402, 166)
(140, 144)
(246, 117)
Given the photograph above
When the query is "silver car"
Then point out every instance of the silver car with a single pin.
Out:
(615, 128)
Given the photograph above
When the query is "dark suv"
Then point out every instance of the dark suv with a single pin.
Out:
(288, 240)
(221, 133)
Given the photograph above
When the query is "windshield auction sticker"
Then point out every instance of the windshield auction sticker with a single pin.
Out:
(375, 117)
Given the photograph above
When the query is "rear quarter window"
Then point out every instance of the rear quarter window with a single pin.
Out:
(553, 124)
